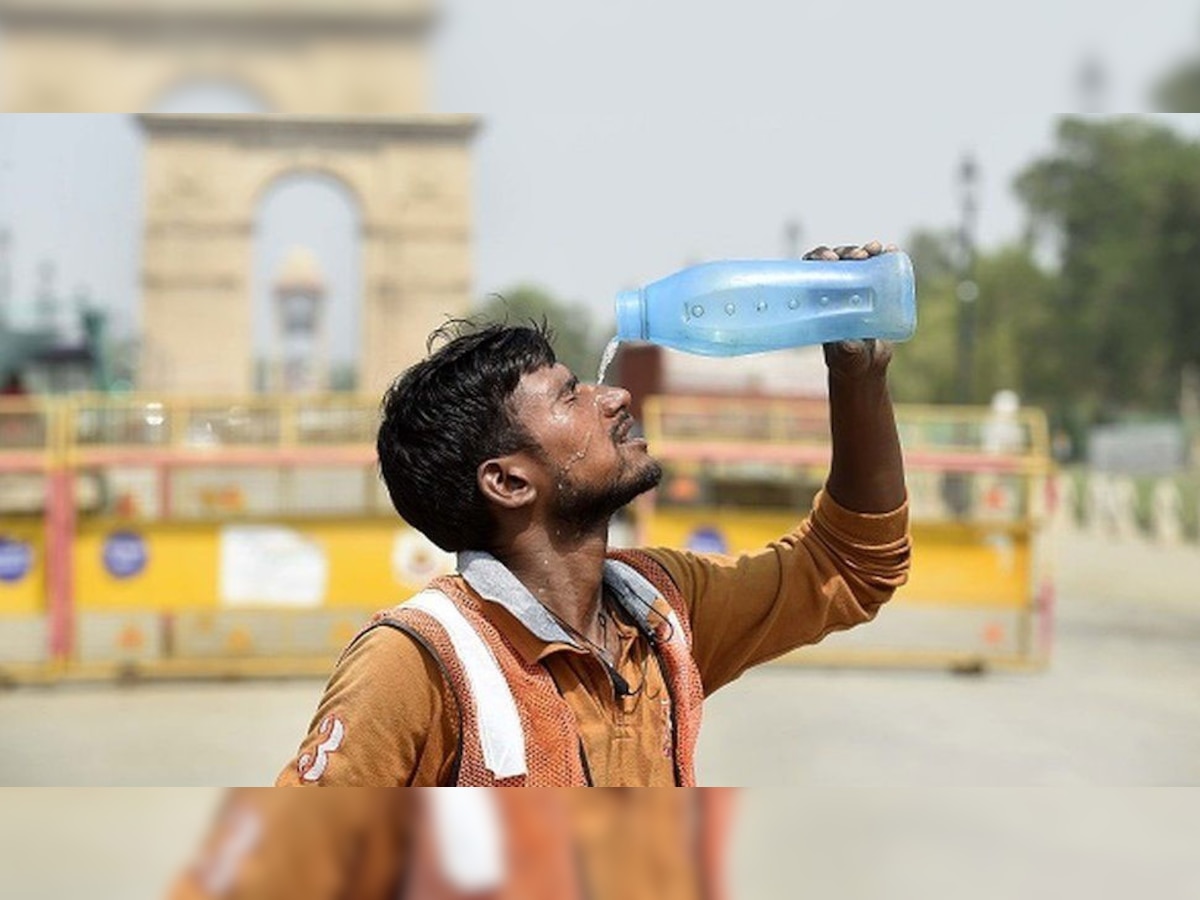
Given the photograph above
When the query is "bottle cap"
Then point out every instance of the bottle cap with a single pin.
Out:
(631, 316)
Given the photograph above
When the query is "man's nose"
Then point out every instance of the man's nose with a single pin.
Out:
(612, 399)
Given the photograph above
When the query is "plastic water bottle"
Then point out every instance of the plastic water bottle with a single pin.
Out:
(751, 306)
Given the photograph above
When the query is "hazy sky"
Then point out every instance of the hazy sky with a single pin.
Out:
(622, 140)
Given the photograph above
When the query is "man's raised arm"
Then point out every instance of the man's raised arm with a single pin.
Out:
(867, 471)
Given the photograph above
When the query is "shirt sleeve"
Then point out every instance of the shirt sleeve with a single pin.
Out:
(387, 719)
(302, 845)
(833, 572)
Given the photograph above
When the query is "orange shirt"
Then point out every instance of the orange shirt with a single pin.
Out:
(395, 715)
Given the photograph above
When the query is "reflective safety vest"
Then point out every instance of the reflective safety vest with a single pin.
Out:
(515, 729)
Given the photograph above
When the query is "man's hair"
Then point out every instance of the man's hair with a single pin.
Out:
(449, 413)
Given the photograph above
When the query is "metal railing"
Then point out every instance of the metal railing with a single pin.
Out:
(946, 434)
(131, 422)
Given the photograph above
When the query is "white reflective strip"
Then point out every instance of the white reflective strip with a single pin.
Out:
(677, 634)
(500, 732)
(470, 838)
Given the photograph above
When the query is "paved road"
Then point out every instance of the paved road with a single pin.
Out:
(1119, 706)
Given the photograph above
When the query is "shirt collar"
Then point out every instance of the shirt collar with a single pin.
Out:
(493, 581)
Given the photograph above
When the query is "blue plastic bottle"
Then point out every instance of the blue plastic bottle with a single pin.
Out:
(750, 306)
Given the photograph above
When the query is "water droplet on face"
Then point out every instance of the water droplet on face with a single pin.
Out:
(730, 309)
(793, 303)
(697, 311)
(762, 306)
(577, 456)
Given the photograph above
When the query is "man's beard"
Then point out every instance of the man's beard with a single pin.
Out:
(585, 506)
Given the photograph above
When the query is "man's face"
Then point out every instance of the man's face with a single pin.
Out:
(593, 464)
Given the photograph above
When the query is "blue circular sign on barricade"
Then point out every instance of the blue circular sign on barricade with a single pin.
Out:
(16, 560)
(125, 554)
(707, 540)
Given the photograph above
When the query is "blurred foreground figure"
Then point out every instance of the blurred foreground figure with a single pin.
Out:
(549, 659)
(464, 844)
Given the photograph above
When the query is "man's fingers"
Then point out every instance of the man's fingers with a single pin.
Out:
(858, 357)
(851, 251)
(883, 353)
(821, 252)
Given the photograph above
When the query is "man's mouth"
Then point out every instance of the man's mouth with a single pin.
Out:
(620, 432)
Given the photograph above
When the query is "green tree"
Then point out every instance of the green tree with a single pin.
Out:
(1012, 317)
(1121, 200)
(1015, 323)
(924, 369)
(1178, 90)
(575, 343)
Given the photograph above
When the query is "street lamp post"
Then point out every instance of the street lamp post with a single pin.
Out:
(967, 291)
(300, 295)
(46, 299)
(791, 238)
(956, 486)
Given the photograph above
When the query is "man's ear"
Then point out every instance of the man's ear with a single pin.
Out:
(506, 481)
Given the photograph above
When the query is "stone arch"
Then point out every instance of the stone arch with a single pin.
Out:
(204, 175)
(341, 178)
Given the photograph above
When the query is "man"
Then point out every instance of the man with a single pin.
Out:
(549, 659)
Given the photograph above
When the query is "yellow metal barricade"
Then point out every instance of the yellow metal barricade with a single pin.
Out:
(740, 472)
(28, 445)
(159, 537)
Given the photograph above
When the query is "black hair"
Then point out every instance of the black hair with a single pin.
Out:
(449, 413)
